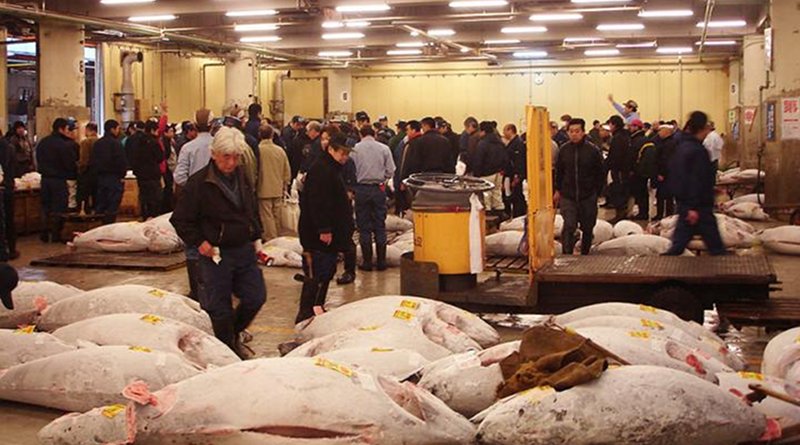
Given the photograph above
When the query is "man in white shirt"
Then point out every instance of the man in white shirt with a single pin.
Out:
(714, 143)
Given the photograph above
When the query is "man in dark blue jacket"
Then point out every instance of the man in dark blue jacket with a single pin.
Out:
(109, 163)
(692, 182)
(57, 158)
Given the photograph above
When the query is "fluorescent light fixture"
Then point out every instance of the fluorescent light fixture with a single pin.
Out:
(410, 44)
(582, 39)
(723, 24)
(332, 24)
(259, 39)
(530, 54)
(501, 42)
(589, 2)
(718, 43)
(343, 35)
(124, 2)
(335, 53)
(523, 29)
(255, 27)
(404, 52)
(465, 50)
(674, 49)
(620, 27)
(413, 34)
(478, 4)
(152, 18)
(441, 32)
(379, 7)
(557, 17)
(665, 13)
(601, 52)
(652, 44)
(357, 24)
(252, 13)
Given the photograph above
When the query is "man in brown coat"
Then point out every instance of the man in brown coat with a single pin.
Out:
(273, 178)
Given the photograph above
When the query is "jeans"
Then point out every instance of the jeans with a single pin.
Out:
(583, 213)
(150, 197)
(706, 227)
(109, 196)
(371, 214)
(237, 273)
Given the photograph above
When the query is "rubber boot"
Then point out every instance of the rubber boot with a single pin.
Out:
(223, 330)
(380, 250)
(193, 269)
(322, 295)
(307, 298)
(366, 257)
(242, 320)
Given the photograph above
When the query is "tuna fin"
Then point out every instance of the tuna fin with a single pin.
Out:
(40, 303)
(772, 432)
(140, 393)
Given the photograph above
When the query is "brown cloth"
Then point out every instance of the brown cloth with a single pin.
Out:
(551, 357)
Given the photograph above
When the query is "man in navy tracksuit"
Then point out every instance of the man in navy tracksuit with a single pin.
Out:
(692, 183)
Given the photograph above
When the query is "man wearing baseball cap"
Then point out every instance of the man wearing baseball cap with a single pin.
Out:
(628, 110)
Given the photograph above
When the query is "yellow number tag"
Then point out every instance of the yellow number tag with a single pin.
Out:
(341, 369)
(157, 293)
(27, 329)
(751, 376)
(409, 304)
(797, 340)
(646, 308)
(652, 324)
(369, 328)
(644, 335)
(112, 411)
(140, 349)
(403, 315)
(152, 319)
(382, 349)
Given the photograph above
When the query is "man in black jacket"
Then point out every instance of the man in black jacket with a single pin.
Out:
(430, 153)
(109, 164)
(692, 181)
(579, 179)
(638, 182)
(326, 224)
(57, 158)
(446, 130)
(620, 165)
(665, 150)
(8, 240)
(218, 214)
(488, 162)
(517, 153)
(146, 164)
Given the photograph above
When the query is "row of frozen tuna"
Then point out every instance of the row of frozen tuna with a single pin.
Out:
(349, 382)
(156, 235)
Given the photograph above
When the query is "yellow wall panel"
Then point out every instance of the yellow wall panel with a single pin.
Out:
(304, 97)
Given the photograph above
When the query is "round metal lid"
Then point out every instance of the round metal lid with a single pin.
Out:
(447, 183)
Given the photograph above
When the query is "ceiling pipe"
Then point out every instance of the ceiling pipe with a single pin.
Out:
(152, 31)
(706, 20)
(490, 57)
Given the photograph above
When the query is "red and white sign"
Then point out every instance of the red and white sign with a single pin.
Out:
(749, 116)
(790, 118)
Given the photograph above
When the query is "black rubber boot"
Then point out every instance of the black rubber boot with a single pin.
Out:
(307, 298)
(322, 295)
(380, 250)
(223, 330)
(366, 257)
(243, 318)
(193, 269)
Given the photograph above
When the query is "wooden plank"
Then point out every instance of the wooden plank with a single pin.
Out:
(118, 261)
(775, 312)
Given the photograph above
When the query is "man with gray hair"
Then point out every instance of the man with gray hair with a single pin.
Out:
(305, 149)
(218, 215)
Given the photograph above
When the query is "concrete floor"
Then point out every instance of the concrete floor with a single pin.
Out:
(19, 423)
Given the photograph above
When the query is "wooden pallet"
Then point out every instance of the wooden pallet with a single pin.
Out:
(507, 264)
(778, 313)
(139, 261)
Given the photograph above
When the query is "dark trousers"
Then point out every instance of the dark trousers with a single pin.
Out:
(371, 214)
(4, 250)
(641, 195)
(575, 213)
(87, 191)
(10, 229)
(109, 195)
(665, 203)
(54, 201)
(149, 197)
(706, 227)
(350, 258)
(517, 200)
(319, 269)
(239, 274)
(168, 200)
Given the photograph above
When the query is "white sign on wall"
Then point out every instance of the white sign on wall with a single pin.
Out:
(790, 118)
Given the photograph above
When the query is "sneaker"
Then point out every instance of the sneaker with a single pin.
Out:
(346, 278)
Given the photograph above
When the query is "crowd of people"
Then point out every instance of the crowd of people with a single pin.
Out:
(226, 179)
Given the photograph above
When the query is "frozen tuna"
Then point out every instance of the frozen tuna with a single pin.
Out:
(626, 227)
(428, 314)
(321, 402)
(121, 299)
(784, 239)
(291, 243)
(24, 345)
(280, 257)
(30, 299)
(782, 356)
(508, 243)
(786, 414)
(627, 405)
(118, 237)
(153, 332)
(87, 378)
(397, 363)
(644, 245)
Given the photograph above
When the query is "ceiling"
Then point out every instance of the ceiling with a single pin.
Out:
(299, 27)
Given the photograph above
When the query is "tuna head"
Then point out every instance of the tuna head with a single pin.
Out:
(111, 425)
